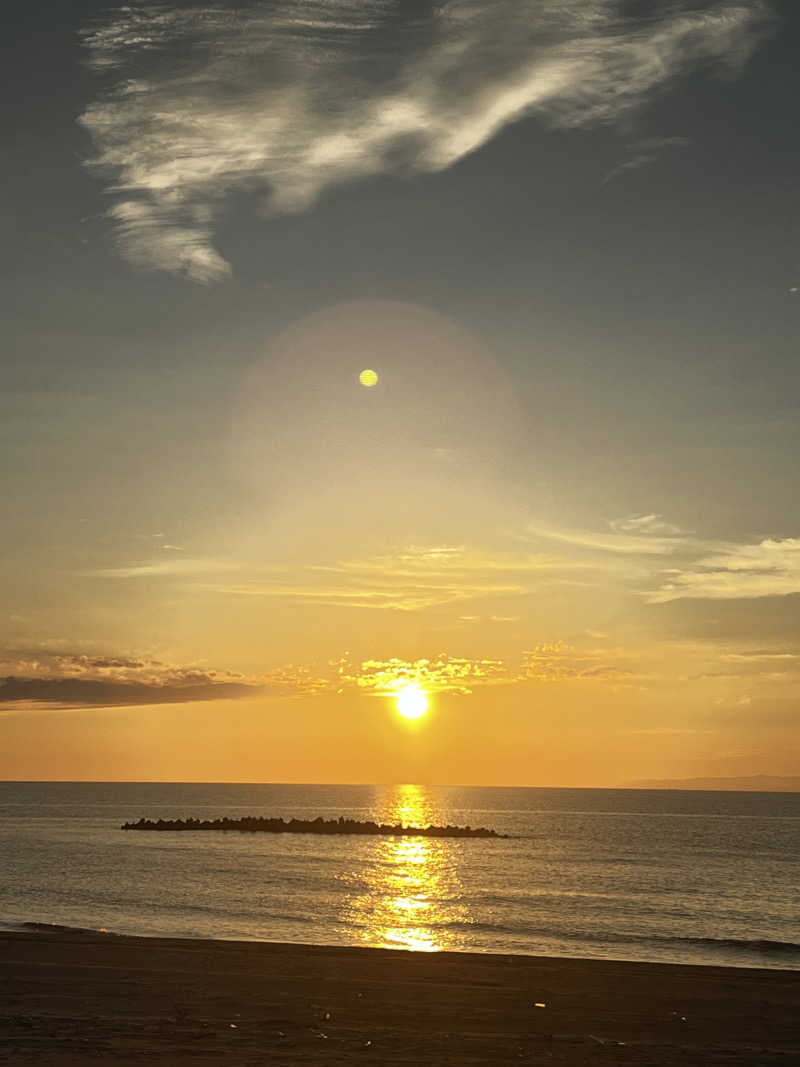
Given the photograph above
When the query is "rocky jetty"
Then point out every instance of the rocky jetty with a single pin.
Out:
(253, 825)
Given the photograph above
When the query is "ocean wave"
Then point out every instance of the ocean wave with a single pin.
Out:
(760, 945)
(8, 926)
(713, 946)
(42, 928)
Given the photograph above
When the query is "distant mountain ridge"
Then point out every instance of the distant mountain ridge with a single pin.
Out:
(756, 783)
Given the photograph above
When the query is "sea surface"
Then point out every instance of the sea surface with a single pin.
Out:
(691, 877)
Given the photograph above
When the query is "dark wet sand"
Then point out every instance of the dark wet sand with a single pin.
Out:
(69, 998)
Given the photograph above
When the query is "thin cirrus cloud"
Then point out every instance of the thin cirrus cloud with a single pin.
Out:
(385, 595)
(701, 569)
(411, 578)
(416, 578)
(642, 153)
(408, 578)
(622, 540)
(768, 568)
(559, 662)
(646, 524)
(287, 99)
(171, 567)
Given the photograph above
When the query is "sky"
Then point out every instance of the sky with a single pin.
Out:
(563, 233)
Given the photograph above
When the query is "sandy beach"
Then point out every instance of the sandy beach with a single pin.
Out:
(71, 998)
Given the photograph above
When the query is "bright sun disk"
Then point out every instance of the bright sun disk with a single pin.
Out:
(411, 702)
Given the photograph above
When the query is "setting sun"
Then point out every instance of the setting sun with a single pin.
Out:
(411, 702)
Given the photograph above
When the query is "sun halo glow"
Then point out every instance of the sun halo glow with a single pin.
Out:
(411, 702)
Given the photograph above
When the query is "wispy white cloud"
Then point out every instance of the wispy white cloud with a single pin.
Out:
(767, 568)
(760, 656)
(559, 662)
(641, 542)
(403, 578)
(286, 99)
(642, 153)
(167, 567)
(650, 524)
(655, 560)
(698, 568)
(408, 578)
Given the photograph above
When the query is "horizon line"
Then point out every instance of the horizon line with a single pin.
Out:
(665, 788)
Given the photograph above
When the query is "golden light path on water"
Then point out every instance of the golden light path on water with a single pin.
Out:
(410, 891)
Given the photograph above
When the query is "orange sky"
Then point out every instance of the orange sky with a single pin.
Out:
(387, 543)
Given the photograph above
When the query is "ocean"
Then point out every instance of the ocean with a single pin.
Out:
(689, 877)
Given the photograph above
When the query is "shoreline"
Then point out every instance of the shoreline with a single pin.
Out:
(73, 996)
(770, 953)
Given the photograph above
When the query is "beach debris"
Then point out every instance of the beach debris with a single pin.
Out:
(326, 1016)
(367, 1044)
(540, 1004)
(233, 1026)
(606, 1040)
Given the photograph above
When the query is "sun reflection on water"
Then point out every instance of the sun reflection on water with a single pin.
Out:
(410, 894)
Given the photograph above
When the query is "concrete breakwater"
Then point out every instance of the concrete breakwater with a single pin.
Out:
(251, 824)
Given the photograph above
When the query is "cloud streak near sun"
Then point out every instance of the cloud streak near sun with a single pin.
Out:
(441, 673)
(74, 680)
(284, 100)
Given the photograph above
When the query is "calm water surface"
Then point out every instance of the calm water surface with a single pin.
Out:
(626, 874)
